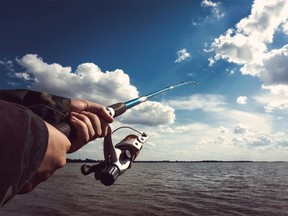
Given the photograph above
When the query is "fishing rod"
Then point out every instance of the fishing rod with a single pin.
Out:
(119, 158)
(121, 107)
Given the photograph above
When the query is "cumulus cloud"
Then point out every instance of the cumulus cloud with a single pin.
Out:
(264, 20)
(89, 82)
(275, 100)
(277, 89)
(247, 138)
(241, 100)
(161, 114)
(182, 55)
(247, 45)
(238, 48)
(274, 68)
(273, 103)
(270, 141)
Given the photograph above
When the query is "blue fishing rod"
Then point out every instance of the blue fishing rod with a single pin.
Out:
(119, 108)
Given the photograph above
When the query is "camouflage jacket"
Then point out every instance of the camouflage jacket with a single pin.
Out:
(24, 136)
(51, 108)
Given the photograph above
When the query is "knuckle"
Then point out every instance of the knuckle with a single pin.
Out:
(61, 163)
(99, 132)
(85, 137)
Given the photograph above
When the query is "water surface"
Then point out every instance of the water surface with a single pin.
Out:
(162, 189)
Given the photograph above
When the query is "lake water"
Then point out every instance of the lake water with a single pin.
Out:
(162, 189)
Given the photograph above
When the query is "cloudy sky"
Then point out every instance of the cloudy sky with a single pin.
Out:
(111, 51)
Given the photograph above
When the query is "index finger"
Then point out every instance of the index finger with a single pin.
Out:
(101, 111)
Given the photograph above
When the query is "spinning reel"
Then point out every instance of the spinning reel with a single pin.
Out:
(118, 158)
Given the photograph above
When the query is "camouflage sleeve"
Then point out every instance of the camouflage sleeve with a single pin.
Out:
(51, 108)
(24, 135)
(23, 143)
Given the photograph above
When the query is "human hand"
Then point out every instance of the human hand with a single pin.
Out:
(90, 121)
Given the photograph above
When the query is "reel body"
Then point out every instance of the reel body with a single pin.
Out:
(118, 158)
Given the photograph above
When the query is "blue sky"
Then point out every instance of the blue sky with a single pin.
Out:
(110, 51)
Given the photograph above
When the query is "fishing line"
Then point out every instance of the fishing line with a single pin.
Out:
(131, 128)
(155, 119)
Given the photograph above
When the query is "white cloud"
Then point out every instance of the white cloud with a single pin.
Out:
(274, 68)
(142, 114)
(285, 27)
(182, 55)
(255, 121)
(265, 18)
(241, 129)
(215, 8)
(211, 61)
(276, 100)
(217, 109)
(277, 89)
(279, 105)
(201, 141)
(205, 102)
(89, 82)
(246, 45)
(207, 3)
(223, 129)
(238, 48)
(269, 141)
(272, 103)
(216, 12)
(241, 100)
(24, 76)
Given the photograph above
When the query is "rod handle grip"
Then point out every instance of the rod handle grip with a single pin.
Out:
(114, 110)
(117, 109)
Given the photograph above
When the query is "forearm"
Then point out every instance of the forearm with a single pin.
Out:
(53, 109)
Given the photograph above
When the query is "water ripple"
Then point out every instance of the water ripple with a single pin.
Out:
(163, 189)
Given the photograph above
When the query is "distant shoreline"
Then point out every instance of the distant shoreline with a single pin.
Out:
(177, 161)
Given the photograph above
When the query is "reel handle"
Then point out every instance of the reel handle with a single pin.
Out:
(106, 173)
(109, 176)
